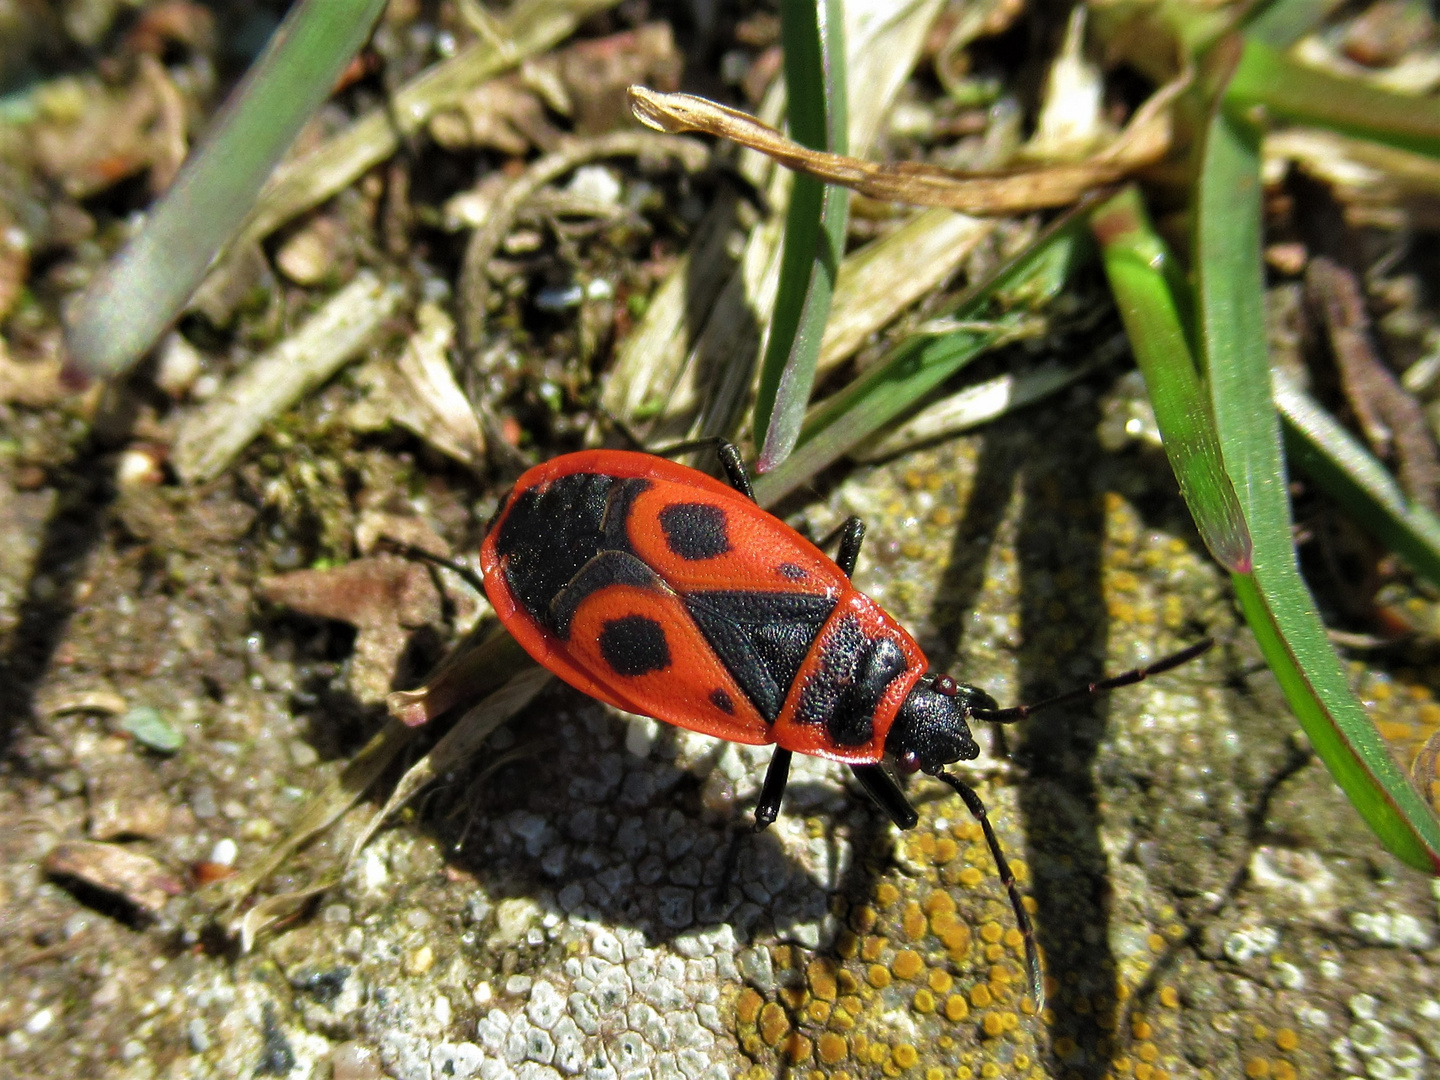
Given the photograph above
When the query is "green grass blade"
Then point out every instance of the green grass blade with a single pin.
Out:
(141, 291)
(1135, 261)
(1284, 22)
(1275, 601)
(1345, 470)
(920, 364)
(1267, 83)
(813, 35)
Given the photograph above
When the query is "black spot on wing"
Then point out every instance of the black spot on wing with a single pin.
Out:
(634, 645)
(721, 700)
(549, 535)
(605, 569)
(695, 531)
(854, 673)
(790, 572)
(761, 637)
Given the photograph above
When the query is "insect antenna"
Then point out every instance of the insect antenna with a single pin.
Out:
(1007, 878)
(1019, 712)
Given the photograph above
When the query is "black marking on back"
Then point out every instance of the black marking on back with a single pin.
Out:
(605, 569)
(761, 637)
(721, 700)
(695, 531)
(634, 645)
(854, 673)
(790, 572)
(548, 536)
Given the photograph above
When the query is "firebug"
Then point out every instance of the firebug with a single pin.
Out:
(663, 591)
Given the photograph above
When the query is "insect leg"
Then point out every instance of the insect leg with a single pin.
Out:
(772, 792)
(852, 535)
(471, 578)
(881, 786)
(1007, 878)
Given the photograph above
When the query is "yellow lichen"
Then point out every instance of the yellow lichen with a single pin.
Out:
(992, 1026)
(940, 980)
(747, 1008)
(956, 1008)
(907, 964)
(1169, 997)
(1257, 1068)
(798, 1048)
(832, 1048)
(1286, 1039)
(879, 976)
(886, 894)
(821, 974)
(906, 1056)
(924, 1001)
(980, 996)
(774, 1024)
(914, 922)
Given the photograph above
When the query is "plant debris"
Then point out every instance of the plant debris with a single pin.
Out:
(111, 868)
(1144, 141)
(384, 597)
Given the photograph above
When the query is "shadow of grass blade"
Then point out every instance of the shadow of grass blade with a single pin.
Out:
(1135, 261)
(1270, 84)
(1340, 465)
(814, 42)
(918, 365)
(1275, 601)
(139, 292)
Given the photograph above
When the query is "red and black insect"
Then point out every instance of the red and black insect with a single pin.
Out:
(663, 591)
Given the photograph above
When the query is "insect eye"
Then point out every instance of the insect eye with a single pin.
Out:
(909, 762)
(944, 684)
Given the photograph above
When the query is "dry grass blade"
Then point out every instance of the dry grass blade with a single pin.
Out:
(1145, 140)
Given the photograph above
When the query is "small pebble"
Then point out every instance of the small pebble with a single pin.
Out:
(559, 297)
(420, 961)
(224, 852)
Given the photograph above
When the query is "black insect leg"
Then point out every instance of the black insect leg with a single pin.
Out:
(772, 792)
(470, 577)
(1007, 878)
(726, 451)
(881, 786)
(852, 535)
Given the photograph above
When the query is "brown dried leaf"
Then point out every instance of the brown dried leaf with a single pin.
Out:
(108, 135)
(597, 74)
(500, 114)
(382, 596)
(1145, 140)
(586, 82)
(135, 878)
